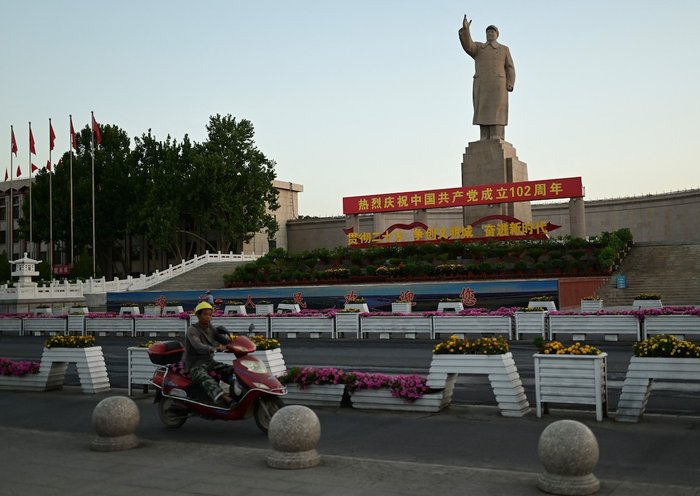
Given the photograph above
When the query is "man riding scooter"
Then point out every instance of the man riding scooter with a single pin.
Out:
(201, 341)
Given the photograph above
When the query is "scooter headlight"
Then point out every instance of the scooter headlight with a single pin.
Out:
(254, 366)
(260, 385)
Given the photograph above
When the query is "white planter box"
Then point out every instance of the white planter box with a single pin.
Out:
(530, 323)
(11, 326)
(677, 325)
(591, 305)
(273, 360)
(288, 308)
(76, 325)
(472, 324)
(647, 304)
(173, 310)
(130, 310)
(151, 310)
(362, 307)
(241, 325)
(401, 307)
(347, 323)
(641, 372)
(549, 305)
(399, 325)
(292, 326)
(264, 308)
(450, 306)
(580, 325)
(43, 311)
(314, 395)
(140, 368)
(78, 311)
(580, 379)
(44, 325)
(119, 326)
(29, 382)
(235, 309)
(500, 369)
(151, 327)
(89, 362)
(381, 399)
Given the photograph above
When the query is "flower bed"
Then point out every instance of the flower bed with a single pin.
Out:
(312, 322)
(657, 357)
(484, 356)
(15, 368)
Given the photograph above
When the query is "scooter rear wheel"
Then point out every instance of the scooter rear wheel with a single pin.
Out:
(265, 408)
(171, 415)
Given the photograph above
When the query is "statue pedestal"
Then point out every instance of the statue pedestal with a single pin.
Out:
(493, 161)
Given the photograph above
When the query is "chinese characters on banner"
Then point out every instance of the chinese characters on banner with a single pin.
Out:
(547, 189)
(500, 231)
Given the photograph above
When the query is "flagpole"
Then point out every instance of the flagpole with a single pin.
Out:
(92, 145)
(70, 155)
(31, 234)
(11, 227)
(50, 207)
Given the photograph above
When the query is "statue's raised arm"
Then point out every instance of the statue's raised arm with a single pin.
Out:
(465, 37)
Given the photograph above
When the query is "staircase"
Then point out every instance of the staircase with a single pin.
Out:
(209, 276)
(673, 271)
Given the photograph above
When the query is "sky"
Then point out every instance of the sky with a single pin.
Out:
(366, 97)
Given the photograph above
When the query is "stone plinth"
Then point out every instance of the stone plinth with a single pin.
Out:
(294, 433)
(493, 162)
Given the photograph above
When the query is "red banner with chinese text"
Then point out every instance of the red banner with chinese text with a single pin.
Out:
(485, 194)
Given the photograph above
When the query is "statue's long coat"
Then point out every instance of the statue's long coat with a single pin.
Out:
(494, 72)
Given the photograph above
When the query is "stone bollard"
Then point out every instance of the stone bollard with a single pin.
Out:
(294, 433)
(115, 419)
(569, 452)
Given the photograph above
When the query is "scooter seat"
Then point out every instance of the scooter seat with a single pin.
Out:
(179, 368)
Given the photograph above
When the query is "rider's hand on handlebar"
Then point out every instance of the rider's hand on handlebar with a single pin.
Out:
(221, 347)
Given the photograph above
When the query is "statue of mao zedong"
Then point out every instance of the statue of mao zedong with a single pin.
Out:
(493, 79)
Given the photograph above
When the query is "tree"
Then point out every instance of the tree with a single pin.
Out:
(232, 186)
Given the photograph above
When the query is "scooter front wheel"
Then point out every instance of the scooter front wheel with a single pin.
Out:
(265, 408)
(170, 414)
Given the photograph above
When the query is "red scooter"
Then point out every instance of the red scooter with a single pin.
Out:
(178, 398)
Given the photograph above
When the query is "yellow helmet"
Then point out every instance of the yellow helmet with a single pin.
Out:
(203, 305)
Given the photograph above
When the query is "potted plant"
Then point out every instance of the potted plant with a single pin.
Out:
(647, 300)
(543, 301)
(87, 356)
(264, 307)
(484, 356)
(78, 309)
(450, 305)
(402, 392)
(658, 357)
(22, 376)
(570, 374)
(352, 301)
(234, 307)
(268, 350)
(131, 309)
(288, 306)
(531, 320)
(404, 303)
(314, 386)
(43, 309)
(591, 303)
(172, 308)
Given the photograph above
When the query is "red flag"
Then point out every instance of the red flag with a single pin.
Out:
(48, 165)
(34, 168)
(96, 130)
(19, 171)
(32, 149)
(7, 176)
(52, 137)
(14, 143)
(73, 141)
